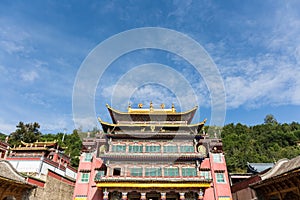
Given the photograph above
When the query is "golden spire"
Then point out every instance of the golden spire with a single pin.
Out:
(151, 106)
(129, 107)
(173, 108)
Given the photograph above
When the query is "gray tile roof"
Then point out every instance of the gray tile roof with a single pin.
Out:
(7, 171)
(258, 167)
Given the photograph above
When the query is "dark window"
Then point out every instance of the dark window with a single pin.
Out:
(117, 172)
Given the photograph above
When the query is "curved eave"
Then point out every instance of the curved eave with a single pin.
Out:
(117, 127)
(279, 178)
(116, 113)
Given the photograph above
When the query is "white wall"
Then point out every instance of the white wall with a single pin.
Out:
(26, 165)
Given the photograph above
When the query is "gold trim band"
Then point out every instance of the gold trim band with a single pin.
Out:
(153, 185)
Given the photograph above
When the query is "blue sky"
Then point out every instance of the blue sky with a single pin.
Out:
(254, 44)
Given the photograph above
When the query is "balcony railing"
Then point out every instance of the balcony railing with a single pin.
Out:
(99, 178)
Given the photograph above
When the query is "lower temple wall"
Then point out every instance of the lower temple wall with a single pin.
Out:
(53, 190)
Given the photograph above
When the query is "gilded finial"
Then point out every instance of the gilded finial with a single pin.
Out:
(173, 108)
(151, 105)
(140, 105)
(162, 106)
(129, 107)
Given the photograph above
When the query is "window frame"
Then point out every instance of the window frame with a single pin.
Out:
(150, 148)
(167, 150)
(132, 149)
(217, 158)
(183, 149)
(149, 170)
(120, 148)
(167, 171)
(185, 171)
(88, 157)
(136, 174)
(84, 179)
(222, 180)
(206, 174)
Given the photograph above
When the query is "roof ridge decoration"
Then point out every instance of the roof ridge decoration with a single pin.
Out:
(274, 169)
(39, 142)
(151, 110)
(154, 118)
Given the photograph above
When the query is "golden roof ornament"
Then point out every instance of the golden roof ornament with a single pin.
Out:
(162, 106)
(173, 108)
(129, 107)
(151, 106)
(140, 105)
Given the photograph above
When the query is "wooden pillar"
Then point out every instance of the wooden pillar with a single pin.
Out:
(105, 194)
(163, 196)
(143, 195)
(182, 197)
(124, 195)
(200, 194)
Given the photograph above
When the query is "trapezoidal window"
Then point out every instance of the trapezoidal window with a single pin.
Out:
(117, 171)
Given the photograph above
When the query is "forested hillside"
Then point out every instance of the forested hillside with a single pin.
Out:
(267, 142)
(2, 137)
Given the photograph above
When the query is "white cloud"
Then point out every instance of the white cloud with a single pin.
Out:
(29, 76)
(11, 47)
(6, 128)
(276, 82)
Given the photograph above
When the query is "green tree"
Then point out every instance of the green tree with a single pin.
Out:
(270, 119)
(2, 137)
(25, 132)
(74, 144)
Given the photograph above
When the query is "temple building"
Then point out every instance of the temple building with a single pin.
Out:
(151, 154)
(45, 168)
(279, 181)
(36, 158)
(4, 147)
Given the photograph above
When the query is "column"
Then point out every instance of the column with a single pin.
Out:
(180, 170)
(143, 195)
(124, 195)
(182, 197)
(200, 194)
(163, 196)
(105, 194)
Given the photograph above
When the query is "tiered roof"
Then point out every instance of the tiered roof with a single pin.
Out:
(154, 120)
(151, 114)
